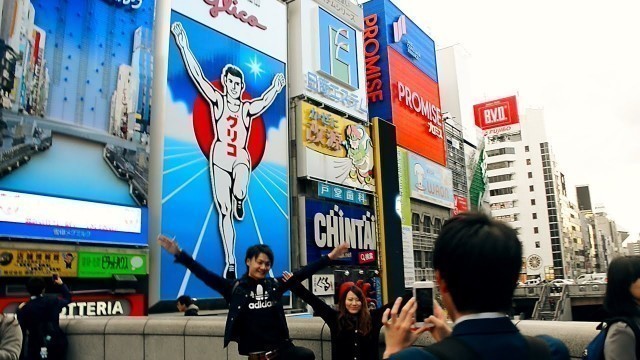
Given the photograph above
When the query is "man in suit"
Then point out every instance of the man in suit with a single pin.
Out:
(477, 262)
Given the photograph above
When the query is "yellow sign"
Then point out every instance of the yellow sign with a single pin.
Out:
(326, 132)
(15, 262)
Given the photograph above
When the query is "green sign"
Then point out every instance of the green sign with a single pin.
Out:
(405, 192)
(104, 265)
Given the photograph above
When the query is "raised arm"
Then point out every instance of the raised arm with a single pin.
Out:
(259, 105)
(214, 281)
(205, 88)
(66, 294)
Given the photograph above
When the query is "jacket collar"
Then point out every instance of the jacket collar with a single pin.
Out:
(485, 326)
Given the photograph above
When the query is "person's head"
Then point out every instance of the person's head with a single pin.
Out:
(35, 286)
(623, 286)
(259, 260)
(184, 302)
(233, 81)
(353, 305)
(68, 258)
(472, 246)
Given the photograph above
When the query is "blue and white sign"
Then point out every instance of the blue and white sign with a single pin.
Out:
(330, 65)
(430, 182)
(341, 193)
(329, 224)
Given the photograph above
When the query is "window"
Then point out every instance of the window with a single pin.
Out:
(530, 187)
(498, 165)
(415, 222)
(502, 191)
(530, 174)
(502, 151)
(535, 216)
(533, 201)
(526, 148)
(537, 244)
(427, 224)
(500, 178)
(528, 161)
(535, 230)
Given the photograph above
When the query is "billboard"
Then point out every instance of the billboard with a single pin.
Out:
(90, 306)
(430, 182)
(405, 211)
(327, 224)
(334, 149)
(105, 265)
(28, 263)
(329, 66)
(497, 116)
(415, 103)
(225, 153)
(397, 31)
(76, 98)
(460, 204)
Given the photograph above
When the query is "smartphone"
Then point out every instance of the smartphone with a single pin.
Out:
(423, 292)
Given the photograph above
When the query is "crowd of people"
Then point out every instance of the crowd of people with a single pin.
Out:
(468, 243)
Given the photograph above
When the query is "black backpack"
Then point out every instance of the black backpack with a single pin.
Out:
(453, 348)
(595, 349)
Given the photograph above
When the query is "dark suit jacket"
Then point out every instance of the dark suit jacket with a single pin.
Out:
(494, 339)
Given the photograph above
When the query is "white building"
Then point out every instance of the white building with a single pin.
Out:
(122, 105)
(524, 192)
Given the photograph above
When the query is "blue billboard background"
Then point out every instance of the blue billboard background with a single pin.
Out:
(188, 210)
(314, 252)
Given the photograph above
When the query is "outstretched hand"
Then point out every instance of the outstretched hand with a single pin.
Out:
(168, 244)
(279, 81)
(339, 250)
(179, 34)
(286, 276)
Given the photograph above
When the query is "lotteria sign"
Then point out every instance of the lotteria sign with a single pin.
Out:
(328, 224)
(330, 67)
(90, 306)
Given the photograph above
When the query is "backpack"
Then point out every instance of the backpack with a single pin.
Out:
(595, 349)
(453, 348)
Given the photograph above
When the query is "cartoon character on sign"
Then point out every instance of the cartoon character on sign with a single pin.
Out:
(360, 152)
(229, 160)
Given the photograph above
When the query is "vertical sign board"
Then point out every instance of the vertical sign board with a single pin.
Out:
(225, 178)
(497, 116)
(430, 182)
(328, 224)
(334, 149)
(76, 100)
(388, 192)
(461, 204)
(402, 81)
(405, 211)
(328, 65)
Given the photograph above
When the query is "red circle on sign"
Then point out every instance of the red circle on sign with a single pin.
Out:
(205, 132)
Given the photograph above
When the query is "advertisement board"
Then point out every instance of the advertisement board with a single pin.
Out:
(335, 192)
(329, 65)
(334, 149)
(225, 139)
(497, 116)
(430, 182)
(75, 96)
(90, 306)
(399, 32)
(405, 212)
(460, 204)
(415, 102)
(28, 263)
(328, 224)
(323, 284)
(105, 265)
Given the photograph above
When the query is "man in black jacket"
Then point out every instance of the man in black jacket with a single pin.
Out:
(256, 319)
(40, 318)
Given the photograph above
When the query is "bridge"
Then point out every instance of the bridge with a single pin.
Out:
(566, 303)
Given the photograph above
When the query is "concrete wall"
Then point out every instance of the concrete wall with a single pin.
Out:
(196, 338)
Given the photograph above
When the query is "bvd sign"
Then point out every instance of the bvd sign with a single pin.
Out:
(497, 116)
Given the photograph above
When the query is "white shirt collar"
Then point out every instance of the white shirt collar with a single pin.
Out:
(484, 315)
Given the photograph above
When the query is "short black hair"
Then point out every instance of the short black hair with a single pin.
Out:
(233, 70)
(471, 248)
(185, 300)
(618, 301)
(255, 251)
(35, 286)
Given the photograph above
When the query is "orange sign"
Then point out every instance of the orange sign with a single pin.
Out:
(416, 109)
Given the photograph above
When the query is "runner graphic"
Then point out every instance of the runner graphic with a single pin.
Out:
(229, 160)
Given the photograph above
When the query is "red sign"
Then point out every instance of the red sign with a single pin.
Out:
(365, 257)
(371, 58)
(416, 109)
(90, 306)
(461, 205)
(497, 113)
